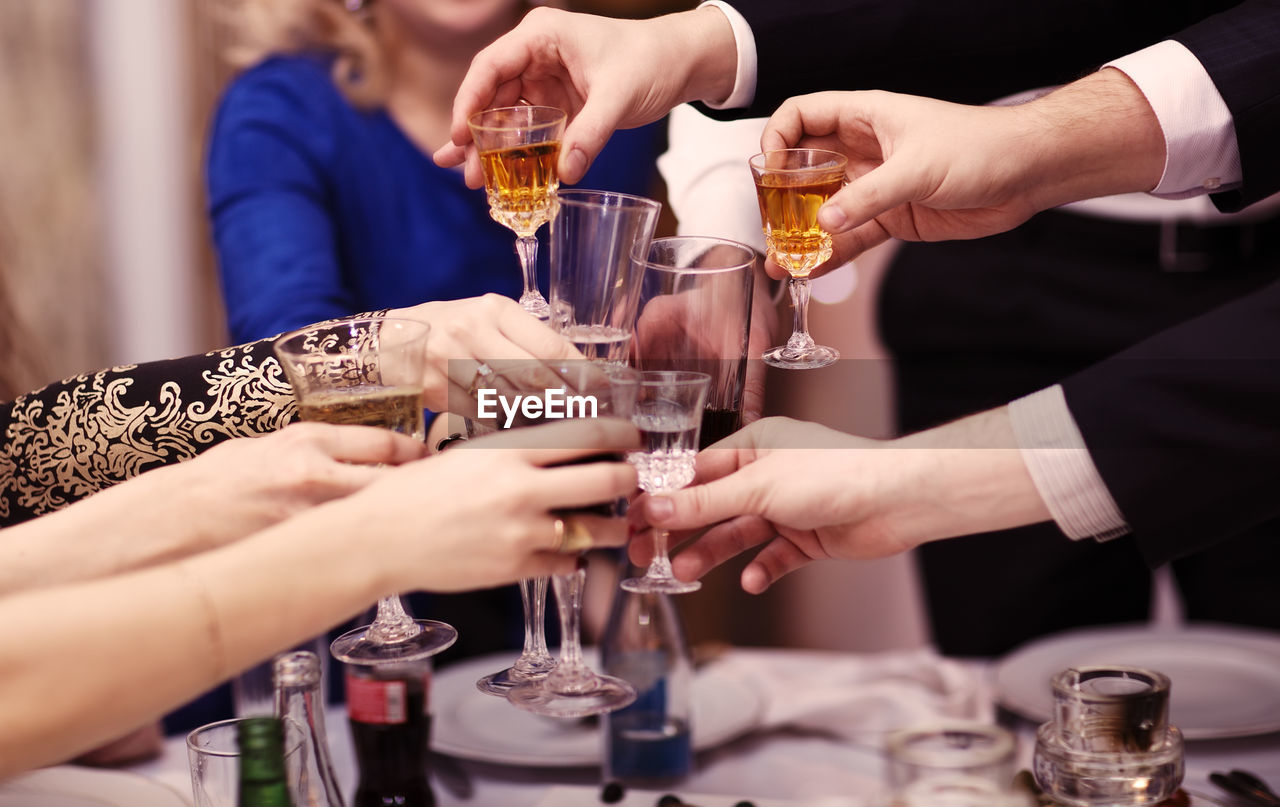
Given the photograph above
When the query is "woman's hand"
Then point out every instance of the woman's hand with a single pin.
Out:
(471, 335)
(484, 512)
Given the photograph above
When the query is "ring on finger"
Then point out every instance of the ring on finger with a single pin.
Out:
(572, 536)
(483, 373)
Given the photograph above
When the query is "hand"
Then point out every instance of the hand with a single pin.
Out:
(810, 493)
(607, 74)
(492, 330)
(483, 513)
(233, 489)
(925, 170)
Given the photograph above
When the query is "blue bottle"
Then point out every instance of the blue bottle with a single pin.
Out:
(648, 744)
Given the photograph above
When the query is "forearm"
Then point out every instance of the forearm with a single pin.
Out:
(1095, 137)
(962, 478)
(100, 658)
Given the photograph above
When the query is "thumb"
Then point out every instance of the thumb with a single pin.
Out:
(702, 505)
(587, 134)
(878, 191)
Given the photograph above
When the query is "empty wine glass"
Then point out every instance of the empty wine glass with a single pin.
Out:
(668, 413)
(367, 371)
(791, 186)
(535, 659)
(519, 147)
(572, 688)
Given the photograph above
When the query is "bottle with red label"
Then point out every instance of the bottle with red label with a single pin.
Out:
(391, 730)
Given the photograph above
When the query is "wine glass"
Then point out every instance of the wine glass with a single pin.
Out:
(367, 371)
(572, 689)
(535, 659)
(519, 147)
(791, 185)
(595, 284)
(668, 413)
(695, 314)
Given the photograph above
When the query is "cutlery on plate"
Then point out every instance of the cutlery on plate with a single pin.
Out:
(1248, 787)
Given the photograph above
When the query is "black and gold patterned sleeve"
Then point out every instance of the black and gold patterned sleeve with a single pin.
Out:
(85, 433)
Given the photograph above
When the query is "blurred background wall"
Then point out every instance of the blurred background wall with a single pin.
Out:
(104, 106)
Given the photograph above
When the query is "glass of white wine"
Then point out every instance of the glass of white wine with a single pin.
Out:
(519, 147)
(668, 413)
(367, 371)
(791, 185)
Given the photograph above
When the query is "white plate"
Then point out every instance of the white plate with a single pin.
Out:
(1225, 681)
(467, 723)
(73, 786)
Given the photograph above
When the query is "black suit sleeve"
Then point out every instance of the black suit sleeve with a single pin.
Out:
(1240, 49)
(962, 52)
(1183, 427)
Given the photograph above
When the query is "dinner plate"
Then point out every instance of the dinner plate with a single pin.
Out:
(582, 796)
(467, 723)
(1224, 680)
(74, 786)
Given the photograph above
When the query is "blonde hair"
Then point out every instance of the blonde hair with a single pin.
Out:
(260, 28)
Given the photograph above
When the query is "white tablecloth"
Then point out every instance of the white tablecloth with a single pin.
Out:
(789, 758)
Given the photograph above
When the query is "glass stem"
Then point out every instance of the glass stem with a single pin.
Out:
(527, 249)
(392, 624)
(800, 339)
(571, 673)
(533, 596)
(660, 566)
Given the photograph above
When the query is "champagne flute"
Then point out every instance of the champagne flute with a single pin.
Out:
(367, 371)
(572, 689)
(519, 147)
(791, 185)
(668, 413)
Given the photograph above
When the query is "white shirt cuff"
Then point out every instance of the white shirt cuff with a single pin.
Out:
(1201, 153)
(1061, 468)
(744, 80)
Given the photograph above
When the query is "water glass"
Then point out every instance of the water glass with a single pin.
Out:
(595, 286)
(695, 315)
(214, 756)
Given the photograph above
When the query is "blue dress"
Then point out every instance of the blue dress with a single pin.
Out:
(322, 210)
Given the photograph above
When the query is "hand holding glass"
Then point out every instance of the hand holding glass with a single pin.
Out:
(519, 148)
(791, 186)
(367, 371)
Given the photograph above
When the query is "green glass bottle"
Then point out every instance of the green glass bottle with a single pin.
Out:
(262, 771)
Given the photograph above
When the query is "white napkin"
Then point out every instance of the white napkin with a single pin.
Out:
(859, 696)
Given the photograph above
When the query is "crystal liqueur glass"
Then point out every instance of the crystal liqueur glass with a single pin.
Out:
(668, 413)
(535, 660)
(791, 185)
(367, 371)
(519, 147)
(573, 689)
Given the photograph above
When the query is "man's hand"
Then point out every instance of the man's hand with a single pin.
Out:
(607, 74)
(926, 170)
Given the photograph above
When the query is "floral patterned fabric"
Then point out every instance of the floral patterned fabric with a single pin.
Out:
(80, 435)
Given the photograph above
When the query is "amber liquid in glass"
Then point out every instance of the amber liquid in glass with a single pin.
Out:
(396, 408)
(521, 185)
(790, 213)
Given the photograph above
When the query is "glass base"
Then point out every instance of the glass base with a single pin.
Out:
(502, 682)
(659, 585)
(791, 359)
(536, 304)
(354, 646)
(593, 695)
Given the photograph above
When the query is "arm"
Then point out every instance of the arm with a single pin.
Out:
(85, 433)
(189, 625)
(230, 491)
(270, 201)
(809, 493)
